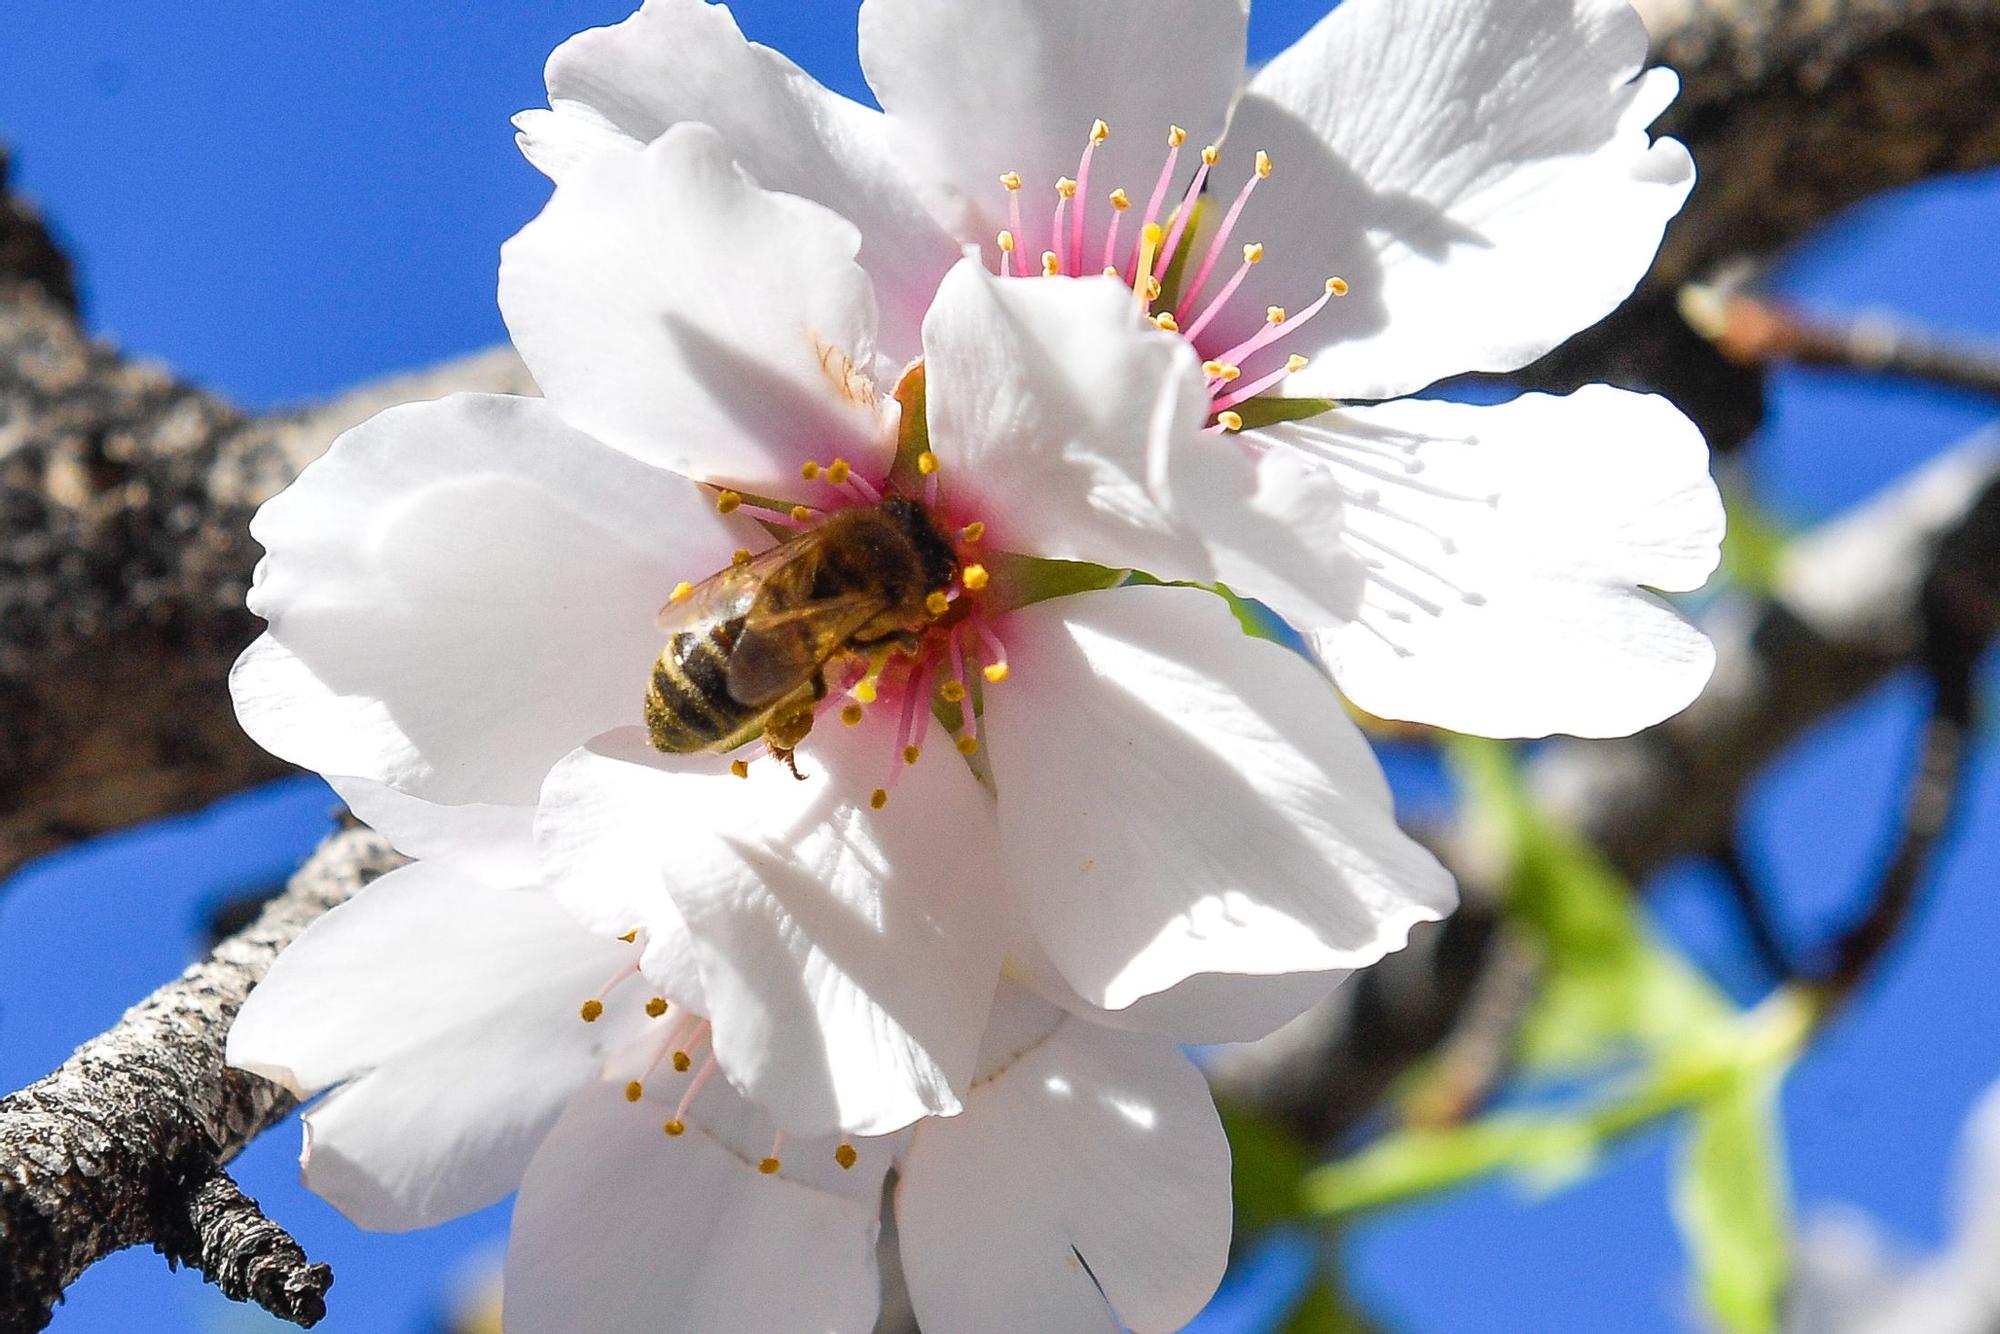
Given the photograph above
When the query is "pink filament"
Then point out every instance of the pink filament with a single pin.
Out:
(701, 1078)
(1152, 213)
(1215, 247)
(1271, 333)
(1221, 300)
(1181, 217)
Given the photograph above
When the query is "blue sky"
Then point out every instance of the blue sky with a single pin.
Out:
(280, 201)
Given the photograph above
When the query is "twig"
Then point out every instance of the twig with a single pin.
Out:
(1759, 331)
(126, 1144)
(1962, 614)
(1761, 930)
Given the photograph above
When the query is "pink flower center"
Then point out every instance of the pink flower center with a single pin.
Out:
(1152, 255)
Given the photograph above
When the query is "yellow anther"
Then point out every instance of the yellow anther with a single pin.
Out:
(1065, 187)
(973, 531)
(1153, 288)
(1006, 240)
(996, 672)
(1337, 286)
(809, 470)
(878, 798)
(769, 1167)
(1099, 132)
(741, 556)
(634, 1091)
(592, 1011)
(1051, 264)
(1295, 363)
(937, 604)
(656, 1007)
(1120, 200)
(967, 744)
(1167, 322)
(910, 754)
(1263, 163)
(1274, 314)
(1229, 374)
(1111, 270)
(864, 690)
(1212, 369)
(837, 472)
(1253, 253)
(728, 502)
(1231, 421)
(1011, 179)
(630, 936)
(975, 577)
(800, 514)
(951, 692)
(681, 1062)
(1176, 136)
(681, 591)
(927, 463)
(741, 768)
(674, 1128)
(850, 714)
(845, 1156)
(1211, 155)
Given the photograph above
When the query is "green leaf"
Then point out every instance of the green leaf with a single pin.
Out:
(1733, 1204)
(1754, 542)
(1020, 581)
(913, 432)
(1609, 985)
(1270, 409)
(1326, 1310)
(1268, 1162)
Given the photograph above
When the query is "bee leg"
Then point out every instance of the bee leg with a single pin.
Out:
(783, 734)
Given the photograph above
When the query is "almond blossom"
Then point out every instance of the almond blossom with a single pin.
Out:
(1113, 794)
(1415, 189)
(441, 1008)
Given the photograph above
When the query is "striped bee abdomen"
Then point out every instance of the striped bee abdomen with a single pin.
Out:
(688, 704)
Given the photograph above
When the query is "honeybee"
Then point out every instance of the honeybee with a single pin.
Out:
(748, 647)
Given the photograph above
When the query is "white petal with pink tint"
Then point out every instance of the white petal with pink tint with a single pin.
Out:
(676, 310)
(1176, 798)
(1479, 170)
(461, 592)
(975, 88)
(447, 1012)
(1089, 1168)
(623, 86)
(491, 844)
(1056, 414)
(846, 953)
(1508, 553)
(622, 1228)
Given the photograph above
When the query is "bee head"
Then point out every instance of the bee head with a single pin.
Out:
(939, 558)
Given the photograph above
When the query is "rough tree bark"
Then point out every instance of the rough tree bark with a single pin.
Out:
(127, 1143)
(124, 556)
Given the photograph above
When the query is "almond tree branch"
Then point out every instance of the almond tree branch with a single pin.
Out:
(125, 1145)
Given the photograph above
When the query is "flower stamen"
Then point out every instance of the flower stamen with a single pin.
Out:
(1193, 292)
(771, 1163)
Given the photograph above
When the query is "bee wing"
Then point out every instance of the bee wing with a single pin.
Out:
(728, 592)
(779, 651)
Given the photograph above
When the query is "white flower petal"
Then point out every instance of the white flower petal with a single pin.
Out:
(1204, 1009)
(461, 592)
(491, 844)
(1055, 412)
(1479, 170)
(845, 952)
(681, 60)
(621, 1228)
(1092, 1168)
(447, 1010)
(673, 309)
(1508, 549)
(975, 89)
(1176, 798)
